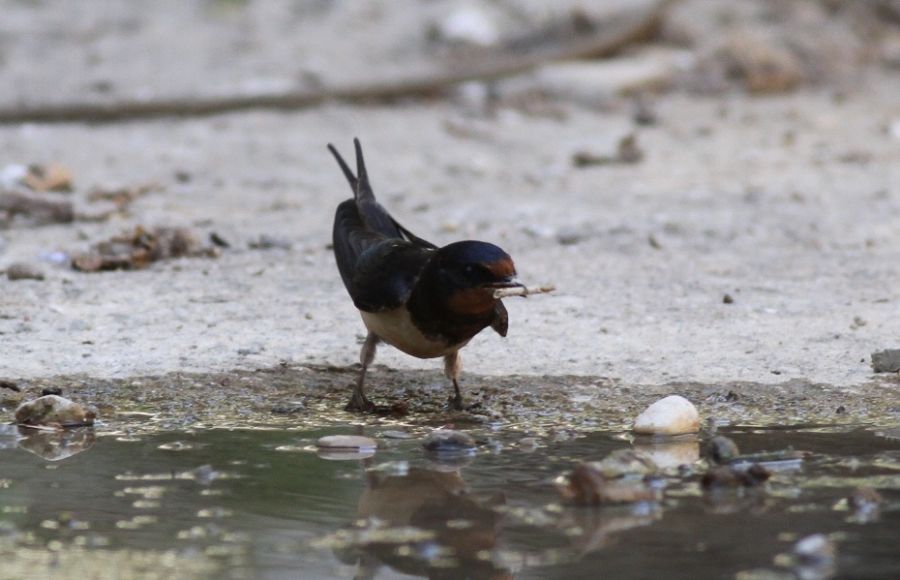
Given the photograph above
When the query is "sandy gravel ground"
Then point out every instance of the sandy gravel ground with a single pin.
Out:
(788, 203)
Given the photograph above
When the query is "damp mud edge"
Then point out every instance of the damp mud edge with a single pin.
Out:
(310, 396)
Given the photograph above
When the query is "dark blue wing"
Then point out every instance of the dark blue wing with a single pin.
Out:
(379, 260)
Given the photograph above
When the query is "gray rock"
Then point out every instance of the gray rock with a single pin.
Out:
(449, 441)
(54, 410)
(886, 361)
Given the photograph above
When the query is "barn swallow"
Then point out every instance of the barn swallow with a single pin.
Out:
(421, 299)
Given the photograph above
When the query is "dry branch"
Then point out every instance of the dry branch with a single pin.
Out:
(609, 37)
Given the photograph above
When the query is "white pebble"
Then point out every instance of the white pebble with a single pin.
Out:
(348, 442)
(673, 415)
(469, 25)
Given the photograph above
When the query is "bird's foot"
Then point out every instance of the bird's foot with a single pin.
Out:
(455, 403)
(360, 404)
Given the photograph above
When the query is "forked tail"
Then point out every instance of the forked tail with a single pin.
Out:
(359, 183)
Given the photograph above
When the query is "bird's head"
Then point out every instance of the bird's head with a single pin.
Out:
(470, 272)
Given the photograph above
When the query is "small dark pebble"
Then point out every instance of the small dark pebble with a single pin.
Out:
(629, 151)
(720, 450)
(449, 441)
(643, 113)
(842, 410)
(886, 361)
(52, 391)
(23, 271)
(724, 476)
(218, 240)
(265, 242)
(291, 409)
(4, 384)
(727, 299)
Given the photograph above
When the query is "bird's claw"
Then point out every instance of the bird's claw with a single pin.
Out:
(359, 404)
(456, 403)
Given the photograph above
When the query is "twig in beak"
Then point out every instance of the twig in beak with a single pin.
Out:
(522, 291)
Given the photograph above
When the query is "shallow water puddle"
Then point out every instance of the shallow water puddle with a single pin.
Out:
(263, 504)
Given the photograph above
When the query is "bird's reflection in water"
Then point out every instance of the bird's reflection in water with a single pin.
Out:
(423, 523)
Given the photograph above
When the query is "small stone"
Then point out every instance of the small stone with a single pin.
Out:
(53, 410)
(886, 361)
(23, 271)
(467, 25)
(51, 177)
(720, 450)
(266, 242)
(346, 442)
(727, 299)
(449, 441)
(11, 385)
(673, 415)
(52, 391)
(628, 149)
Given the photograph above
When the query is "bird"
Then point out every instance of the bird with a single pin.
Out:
(424, 300)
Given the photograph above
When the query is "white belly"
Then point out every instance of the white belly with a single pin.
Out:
(396, 328)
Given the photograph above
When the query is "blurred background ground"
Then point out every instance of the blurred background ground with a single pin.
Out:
(716, 201)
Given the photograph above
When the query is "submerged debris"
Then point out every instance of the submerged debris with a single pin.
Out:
(726, 476)
(672, 415)
(140, 248)
(865, 503)
(886, 361)
(448, 441)
(815, 549)
(54, 411)
(351, 442)
(720, 450)
(587, 486)
(346, 447)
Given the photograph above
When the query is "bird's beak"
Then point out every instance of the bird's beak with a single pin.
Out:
(511, 282)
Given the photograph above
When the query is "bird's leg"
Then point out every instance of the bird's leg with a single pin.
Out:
(452, 368)
(359, 402)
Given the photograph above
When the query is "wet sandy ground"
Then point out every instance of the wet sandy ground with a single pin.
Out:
(310, 396)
